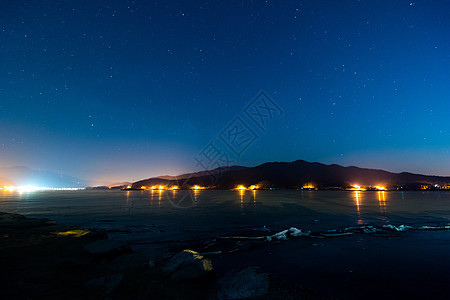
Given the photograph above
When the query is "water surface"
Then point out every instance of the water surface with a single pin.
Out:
(189, 215)
(390, 264)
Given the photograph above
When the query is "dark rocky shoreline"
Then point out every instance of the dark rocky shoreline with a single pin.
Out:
(43, 260)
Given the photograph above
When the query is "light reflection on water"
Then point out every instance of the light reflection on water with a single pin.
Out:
(196, 195)
(382, 201)
(364, 203)
(357, 196)
(246, 197)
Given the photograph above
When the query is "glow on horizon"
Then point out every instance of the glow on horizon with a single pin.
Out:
(30, 188)
(357, 187)
(197, 187)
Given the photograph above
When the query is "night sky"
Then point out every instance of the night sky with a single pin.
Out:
(125, 90)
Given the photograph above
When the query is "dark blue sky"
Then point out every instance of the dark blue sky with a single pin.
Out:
(124, 90)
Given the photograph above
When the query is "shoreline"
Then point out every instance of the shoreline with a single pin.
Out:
(42, 259)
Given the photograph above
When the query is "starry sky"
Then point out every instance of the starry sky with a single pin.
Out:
(124, 90)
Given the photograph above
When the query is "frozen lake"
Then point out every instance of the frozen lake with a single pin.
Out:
(165, 215)
(380, 262)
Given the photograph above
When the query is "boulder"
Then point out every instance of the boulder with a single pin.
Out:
(151, 263)
(105, 284)
(249, 282)
(187, 264)
(129, 261)
(107, 248)
(19, 221)
(9, 217)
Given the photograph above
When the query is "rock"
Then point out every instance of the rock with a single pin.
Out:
(151, 264)
(187, 265)
(20, 221)
(249, 282)
(107, 248)
(157, 255)
(195, 270)
(96, 235)
(8, 217)
(106, 284)
(129, 261)
(185, 257)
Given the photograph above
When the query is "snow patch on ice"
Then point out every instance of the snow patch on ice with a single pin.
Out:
(298, 232)
(286, 234)
(397, 228)
(278, 236)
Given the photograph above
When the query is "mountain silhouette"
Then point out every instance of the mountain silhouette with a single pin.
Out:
(297, 174)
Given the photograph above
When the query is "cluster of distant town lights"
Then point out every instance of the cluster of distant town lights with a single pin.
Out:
(195, 187)
(355, 187)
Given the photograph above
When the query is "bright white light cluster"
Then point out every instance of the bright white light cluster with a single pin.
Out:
(30, 188)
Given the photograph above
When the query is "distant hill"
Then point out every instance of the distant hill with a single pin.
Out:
(119, 184)
(297, 174)
(201, 173)
(20, 176)
(188, 178)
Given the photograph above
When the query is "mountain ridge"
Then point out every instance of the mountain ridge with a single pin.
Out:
(297, 174)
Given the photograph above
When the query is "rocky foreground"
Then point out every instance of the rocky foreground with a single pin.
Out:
(43, 260)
